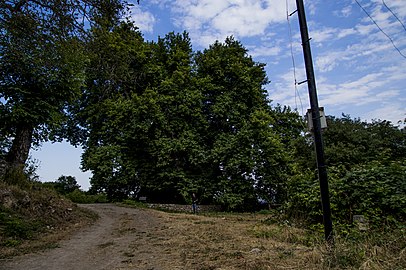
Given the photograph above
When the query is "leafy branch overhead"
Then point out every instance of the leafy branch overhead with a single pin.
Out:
(42, 65)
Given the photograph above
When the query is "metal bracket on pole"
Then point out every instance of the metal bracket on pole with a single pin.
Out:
(292, 13)
(307, 41)
(302, 82)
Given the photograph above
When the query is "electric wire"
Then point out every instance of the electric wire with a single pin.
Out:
(390, 39)
(394, 15)
(297, 94)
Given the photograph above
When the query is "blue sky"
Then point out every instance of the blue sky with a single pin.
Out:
(358, 70)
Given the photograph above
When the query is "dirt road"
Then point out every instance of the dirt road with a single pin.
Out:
(146, 239)
(123, 238)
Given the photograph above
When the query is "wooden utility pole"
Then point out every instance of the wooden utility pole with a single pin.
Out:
(318, 140)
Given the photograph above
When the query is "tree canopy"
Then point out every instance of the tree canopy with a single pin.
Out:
(164, 121)
(42, 63)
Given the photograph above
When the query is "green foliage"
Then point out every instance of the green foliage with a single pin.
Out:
(351, 142)
(21, 176)
(181, 128)
(303, 202)
(374, 190)
(15, 228)
(78, 196)
(366, 174)
(134, 203)
(16, 176)
(42, 68)
(68, 187)
(264, 212)
(66, 184)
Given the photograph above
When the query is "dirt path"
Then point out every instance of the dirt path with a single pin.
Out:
(123, 238)
(145, 239)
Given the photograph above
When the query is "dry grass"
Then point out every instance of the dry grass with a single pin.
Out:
(244, 241)
(235, 242)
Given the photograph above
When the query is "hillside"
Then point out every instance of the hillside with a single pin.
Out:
(34, 218)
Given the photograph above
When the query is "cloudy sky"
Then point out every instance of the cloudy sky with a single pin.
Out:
(360, 70)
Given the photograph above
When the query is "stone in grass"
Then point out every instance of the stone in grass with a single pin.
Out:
(361, 222)
(255, 250)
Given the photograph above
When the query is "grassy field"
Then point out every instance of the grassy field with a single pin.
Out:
(252, 241)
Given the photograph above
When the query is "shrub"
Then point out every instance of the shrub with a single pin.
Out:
(78, 196)
(14, 229)
(375, 190)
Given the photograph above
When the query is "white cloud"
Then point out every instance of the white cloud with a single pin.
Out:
(364, 90)
(327, 62)
(331, 34)
(397, 6)
(264, 51)
(206, 19)
(144, 20)
(282, 89)
(344, 12)
(345, 32)
(312, 6)
(365, 30)
(393, 112)
(384, 17)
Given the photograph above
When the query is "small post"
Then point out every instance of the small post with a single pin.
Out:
(318, 140)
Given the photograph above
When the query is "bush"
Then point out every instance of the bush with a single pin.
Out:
(14, 228)
(374, 190)
(303, 203)
(15, 175)
(133, 203)
(78, 196)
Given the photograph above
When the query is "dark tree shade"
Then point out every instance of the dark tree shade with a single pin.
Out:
(41, 66)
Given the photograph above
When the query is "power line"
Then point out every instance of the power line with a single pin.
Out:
(390, 39)
(404, 27)
(297, 94)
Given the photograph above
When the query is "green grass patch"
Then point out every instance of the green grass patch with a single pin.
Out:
(14, 228)
(133, 203)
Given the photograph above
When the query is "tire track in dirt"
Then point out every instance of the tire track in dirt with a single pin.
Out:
(122, 238)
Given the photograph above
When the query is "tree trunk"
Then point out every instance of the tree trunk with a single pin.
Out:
(18, 154)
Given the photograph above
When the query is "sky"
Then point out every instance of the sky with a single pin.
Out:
(360, 66)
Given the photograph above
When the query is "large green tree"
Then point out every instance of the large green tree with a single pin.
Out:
(140, 111)
(177, 147)
(116, 113)
(247, 160)
(164, 122)
(351, 142)
(41, 66)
